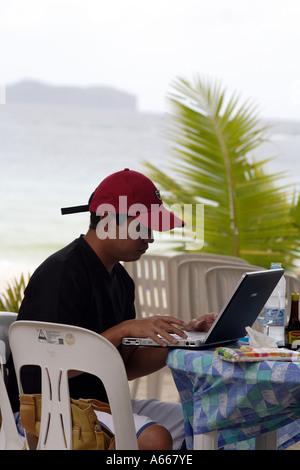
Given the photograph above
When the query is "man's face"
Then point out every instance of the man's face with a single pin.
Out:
(137, 240)
(127, 241)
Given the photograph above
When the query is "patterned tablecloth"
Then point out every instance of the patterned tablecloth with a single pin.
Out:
(241, 400)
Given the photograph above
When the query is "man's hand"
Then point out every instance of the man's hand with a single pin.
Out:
(202, 323)
(151, 327)
(157, 327)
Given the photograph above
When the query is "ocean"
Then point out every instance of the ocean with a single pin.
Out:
(53, 157)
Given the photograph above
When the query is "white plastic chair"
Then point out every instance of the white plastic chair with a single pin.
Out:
(158, 282)
(190, 286)
(215, 256)
(152, 297)
(56, 349)
(6, 319)
(150, 275)
(9, 436)
(220, 283)
(164, 286)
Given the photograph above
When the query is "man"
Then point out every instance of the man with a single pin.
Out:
(85, 285)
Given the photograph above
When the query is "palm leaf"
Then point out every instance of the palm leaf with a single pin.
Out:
(247, 211)
(11, 298)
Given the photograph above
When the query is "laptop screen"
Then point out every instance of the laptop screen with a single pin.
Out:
(243, 308)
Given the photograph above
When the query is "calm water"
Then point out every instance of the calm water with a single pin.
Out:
(54, 157)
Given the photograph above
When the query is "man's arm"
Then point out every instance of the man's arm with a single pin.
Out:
(143, 360)
(140, 361)
(147, 328)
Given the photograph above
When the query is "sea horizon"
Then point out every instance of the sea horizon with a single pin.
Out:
(55, 156)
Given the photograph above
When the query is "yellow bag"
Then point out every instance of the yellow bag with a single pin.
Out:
(87, 432)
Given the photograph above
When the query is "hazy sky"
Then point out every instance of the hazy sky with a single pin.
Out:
(140, 46)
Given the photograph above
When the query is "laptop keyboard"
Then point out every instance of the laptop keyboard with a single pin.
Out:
(192, 335)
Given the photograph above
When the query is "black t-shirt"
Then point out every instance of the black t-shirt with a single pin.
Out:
(73, 287)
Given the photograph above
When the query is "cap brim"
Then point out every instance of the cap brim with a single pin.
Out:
(161, 220)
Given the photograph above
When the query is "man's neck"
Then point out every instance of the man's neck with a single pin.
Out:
(92, 239)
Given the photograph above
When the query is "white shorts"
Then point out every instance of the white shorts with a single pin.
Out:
(146, 412)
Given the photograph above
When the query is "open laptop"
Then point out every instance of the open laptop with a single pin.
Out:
(241, 310)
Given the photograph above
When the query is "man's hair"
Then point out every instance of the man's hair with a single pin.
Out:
(95, 219)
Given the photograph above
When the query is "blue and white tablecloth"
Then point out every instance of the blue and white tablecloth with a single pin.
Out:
(241, 400)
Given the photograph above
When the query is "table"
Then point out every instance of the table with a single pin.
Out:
(225, 403)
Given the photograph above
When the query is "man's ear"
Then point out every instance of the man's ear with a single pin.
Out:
(104, 221)
(106, 227)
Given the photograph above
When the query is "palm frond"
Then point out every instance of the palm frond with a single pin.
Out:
(11, 298)
(247, 210)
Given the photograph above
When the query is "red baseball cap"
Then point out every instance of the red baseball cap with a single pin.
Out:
(132, 193)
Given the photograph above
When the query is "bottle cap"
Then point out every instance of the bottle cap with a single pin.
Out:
(275, 265)
(295, 296)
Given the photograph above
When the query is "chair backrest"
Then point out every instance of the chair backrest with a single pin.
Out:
(159, 291)
(152, 297)
(6, 319)
(210, 256)
(157, 285)
(9, 436)
(56, 349)
(221, 281)
(152, 291)
(190, 285)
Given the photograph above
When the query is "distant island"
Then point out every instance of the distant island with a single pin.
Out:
(30, 91)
